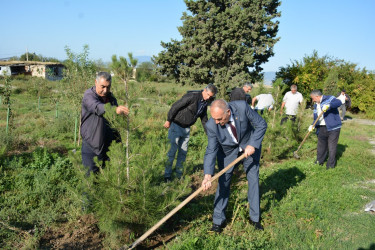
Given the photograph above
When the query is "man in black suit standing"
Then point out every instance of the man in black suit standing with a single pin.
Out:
(242, 93)
(233, 129)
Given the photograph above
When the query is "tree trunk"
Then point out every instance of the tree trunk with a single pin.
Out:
(79, 130)
(127, 132)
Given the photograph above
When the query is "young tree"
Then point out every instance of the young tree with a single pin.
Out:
(145, 71)
(124, 70)
(79, 75)
(6, 100)
(330, 84)
(223, 41)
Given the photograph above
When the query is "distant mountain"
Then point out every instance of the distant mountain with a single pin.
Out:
(269, 77)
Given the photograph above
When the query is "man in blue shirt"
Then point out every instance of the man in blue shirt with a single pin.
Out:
(328, 127)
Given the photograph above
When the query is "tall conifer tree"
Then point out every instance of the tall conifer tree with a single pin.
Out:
(223, 42)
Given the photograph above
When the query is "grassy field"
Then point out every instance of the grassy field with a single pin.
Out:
(303, 205)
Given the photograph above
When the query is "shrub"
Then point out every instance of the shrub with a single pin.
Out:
(34, 188)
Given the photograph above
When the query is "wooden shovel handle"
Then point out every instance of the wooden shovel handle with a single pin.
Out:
(308, 133)
(181, 205)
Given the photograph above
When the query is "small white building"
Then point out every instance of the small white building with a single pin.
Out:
(5, 70)
(47, 70)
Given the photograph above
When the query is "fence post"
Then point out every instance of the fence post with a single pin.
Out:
(7, 127)
(75, 130)
(38, 103)
(57, 109)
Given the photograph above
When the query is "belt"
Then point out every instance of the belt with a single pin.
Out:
(319, 126)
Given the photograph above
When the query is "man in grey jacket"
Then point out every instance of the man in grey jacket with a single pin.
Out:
(96, 132)
(233, 129)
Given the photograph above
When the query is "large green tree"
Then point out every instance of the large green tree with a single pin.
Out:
(223, 42)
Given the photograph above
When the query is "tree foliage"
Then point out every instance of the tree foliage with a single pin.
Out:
(79, 75)
(223, 42)
(146, 72)
(34, 57)
(331, 75)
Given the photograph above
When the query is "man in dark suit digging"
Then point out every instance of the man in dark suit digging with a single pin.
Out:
(233, 129)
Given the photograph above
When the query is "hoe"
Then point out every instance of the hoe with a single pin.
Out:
(304, 139)
(182, 204)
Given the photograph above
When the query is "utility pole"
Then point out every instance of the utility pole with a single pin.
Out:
(27, 55)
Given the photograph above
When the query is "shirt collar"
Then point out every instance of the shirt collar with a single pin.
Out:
(231, 119)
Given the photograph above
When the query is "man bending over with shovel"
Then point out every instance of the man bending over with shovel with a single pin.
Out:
(328, 126)
(234, 129)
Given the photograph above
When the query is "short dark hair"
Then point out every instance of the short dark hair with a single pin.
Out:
(212, 88)
(316, 92)
(105, 75)
(343, 90)
(248, 84)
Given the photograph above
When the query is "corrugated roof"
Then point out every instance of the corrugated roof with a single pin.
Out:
(24, 63)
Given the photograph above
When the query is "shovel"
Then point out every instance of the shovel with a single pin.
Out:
(182, 204)
(304, 139)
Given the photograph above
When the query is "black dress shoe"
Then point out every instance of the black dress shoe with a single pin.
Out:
(167, 179)
(216, 228)
(318, 163)
(257, 225)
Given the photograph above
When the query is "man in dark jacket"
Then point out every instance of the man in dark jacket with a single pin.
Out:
(96, 132)
(242, 93)
(181, 116)
(328, 127)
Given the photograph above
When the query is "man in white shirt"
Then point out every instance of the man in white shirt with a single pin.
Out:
(265, 101)
(292, 99)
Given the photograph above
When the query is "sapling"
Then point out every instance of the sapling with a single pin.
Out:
(79, 75)
(124, 70)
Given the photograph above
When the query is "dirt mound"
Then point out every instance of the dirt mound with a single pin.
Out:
(81, 234)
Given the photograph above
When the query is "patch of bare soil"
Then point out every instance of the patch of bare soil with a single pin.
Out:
(360, 121)
(81, 234)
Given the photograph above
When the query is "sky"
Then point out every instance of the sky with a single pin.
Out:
(342, 29)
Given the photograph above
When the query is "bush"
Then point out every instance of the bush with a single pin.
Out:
(34, 188)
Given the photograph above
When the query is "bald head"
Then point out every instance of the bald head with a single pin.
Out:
(220, 104)
(220, 112)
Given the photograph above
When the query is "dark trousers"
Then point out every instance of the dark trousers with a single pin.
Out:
(327, 143)
(288, 117)
(251, 168)
(88, 159)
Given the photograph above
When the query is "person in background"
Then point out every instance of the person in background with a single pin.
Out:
(234, 129)
(181, 116)
(328, 127)
(265, 101)
(292, 99)
(242, 93)
(96, 132)
(346, 103)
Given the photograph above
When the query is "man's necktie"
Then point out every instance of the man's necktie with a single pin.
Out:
(234, 131)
